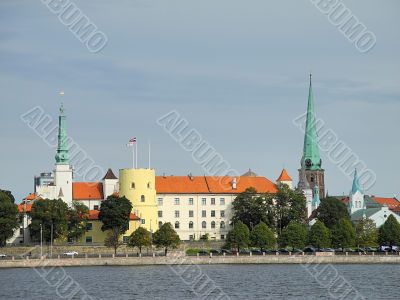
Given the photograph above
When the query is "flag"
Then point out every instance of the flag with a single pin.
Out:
(131, 142)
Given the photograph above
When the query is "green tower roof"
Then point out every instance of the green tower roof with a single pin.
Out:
(62, 156)
(311, 157)
(356, 184)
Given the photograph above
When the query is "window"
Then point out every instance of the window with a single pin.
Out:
(148, 185)
(160, 201)
(222, 201)
(203, 214)
(88, 240)
(96, 207)
(190, 201)
(177, 201)
(190, 225)
(213, 213)
(191, 237)
(160, 213)
(125, 239)
(222, 237)
(177, 214)
(212, 201)
(142, 198)
(222, 225)
(312, 178)
(132, 185)
(204, 224)
(213, 224)
(177, 225)
(203, 201)
(89, 226)
(191, 214)
(222, 214)
(143, 221)
(159, 224)
(21, 231)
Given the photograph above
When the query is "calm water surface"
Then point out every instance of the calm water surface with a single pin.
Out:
(237, 281)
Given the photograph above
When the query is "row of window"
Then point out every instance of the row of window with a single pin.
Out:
(191, 224)
(177, 201)
(191, 214)
(133, 185)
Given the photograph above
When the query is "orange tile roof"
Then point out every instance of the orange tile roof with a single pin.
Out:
(211, 185)
(389, 202)
(87, 190)
(31, 196)
(284, 176)
(94, 215)
(21, 208)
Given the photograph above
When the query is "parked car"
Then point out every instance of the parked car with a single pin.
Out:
(328, 250)
(203, 252)
(245, 251)
(371, 249)
(283, 251)
(226, 251)
(309, 250)
(70, 253)
(215, 252)
(3, 255)
(256, 252)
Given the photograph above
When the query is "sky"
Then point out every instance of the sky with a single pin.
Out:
(237, 71)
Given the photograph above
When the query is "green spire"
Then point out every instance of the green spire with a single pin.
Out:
(62, 156)
(356, 184)
(311, 158)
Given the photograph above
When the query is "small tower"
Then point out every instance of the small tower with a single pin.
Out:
(356, 197)
(63, 170)
(311, 157)
(284, 178)
(138, 185)
(110, 183)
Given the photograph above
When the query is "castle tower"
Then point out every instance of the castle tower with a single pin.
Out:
(63, 170)
(311, 158)
(110, 183)
(356, 197)
(138, 185)
(285, 178)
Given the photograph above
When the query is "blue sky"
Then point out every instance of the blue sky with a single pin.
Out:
(236, 70)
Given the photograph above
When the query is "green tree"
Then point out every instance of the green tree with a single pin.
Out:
(343, 234)
(319, 235)
(166, 237)
(331, 210)
(78, 216)
(49, 214)
(290, 206)
(389, 232)
(8, 217)
(115, 215)
(294, 236)
(262, 237)
(251, 208)
(366, 233)
(140, 238)
(239, 236)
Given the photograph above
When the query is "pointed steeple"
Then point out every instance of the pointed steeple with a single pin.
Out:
(62, 156)
(356, 184)
(311, 157)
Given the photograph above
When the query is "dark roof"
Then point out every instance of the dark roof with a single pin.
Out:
(250, 173)
(109, 175)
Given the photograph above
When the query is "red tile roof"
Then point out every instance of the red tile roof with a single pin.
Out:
(284, 176)
(87, 190)
(389, 202)
(22, 207)
(94, 215)
(31, 196)
(211, 185)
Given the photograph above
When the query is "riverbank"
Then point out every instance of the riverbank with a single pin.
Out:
(202, 260)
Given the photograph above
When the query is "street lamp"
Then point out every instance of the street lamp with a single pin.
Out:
(41, 240)
(51, 240)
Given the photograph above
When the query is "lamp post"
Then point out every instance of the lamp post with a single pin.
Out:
(51, 240)
(41, 240)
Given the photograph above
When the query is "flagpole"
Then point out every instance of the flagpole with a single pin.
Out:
(149, 154)
(136, 154)
(133, 156)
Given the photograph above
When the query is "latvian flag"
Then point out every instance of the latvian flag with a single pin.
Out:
(131, 142)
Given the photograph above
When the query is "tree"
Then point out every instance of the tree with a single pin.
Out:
(47, 215)
(8, 217)
(290, 206)
(319, 235)
(262, 237)
(366, 233)
(331, 210)
(389, 232)
(78, 216)
(166, 237)
(140, 238)
(115, 215)
(239, 236)
(343, 234)
(294, 236)
(252, 208)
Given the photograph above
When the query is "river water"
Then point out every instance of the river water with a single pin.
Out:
(223, 281)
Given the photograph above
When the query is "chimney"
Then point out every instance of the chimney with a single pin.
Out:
(190, 176)
(234, 183)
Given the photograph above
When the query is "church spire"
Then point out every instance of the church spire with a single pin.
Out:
(356, 184)
(62, 156)
(311, 157)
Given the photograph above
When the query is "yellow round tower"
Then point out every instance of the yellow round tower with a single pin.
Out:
(138, 185)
